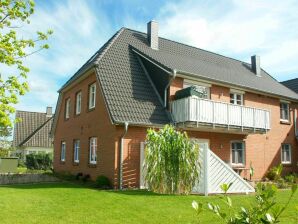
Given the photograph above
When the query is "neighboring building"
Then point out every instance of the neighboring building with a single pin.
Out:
(32, 132)
(291, 84)
(240, 112)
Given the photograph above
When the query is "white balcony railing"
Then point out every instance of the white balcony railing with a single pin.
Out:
(193, 109)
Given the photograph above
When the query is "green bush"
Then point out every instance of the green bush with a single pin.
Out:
(290, 178)
(264, 209)
(103, 182)
(274, 173)
(40, 161)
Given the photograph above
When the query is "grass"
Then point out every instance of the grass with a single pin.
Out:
(71, 203)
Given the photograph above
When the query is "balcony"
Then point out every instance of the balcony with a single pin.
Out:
(194, 112)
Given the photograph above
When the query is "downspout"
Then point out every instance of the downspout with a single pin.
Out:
(167, 86)
(121, 155)
(295, 122)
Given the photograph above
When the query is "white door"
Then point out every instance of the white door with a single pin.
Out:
(201, 186)
(142, 170)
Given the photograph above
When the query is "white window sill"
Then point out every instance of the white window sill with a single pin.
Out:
(286, 163)
(93, 163)
(237, 165)
(76, 161)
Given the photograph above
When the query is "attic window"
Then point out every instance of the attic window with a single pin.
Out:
(92, 95)
(67, 108)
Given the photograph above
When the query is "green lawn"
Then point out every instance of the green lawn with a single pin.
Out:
(69, 203)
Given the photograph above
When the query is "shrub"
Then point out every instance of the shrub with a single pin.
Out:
(85, 178)
(290, 178)
(171, 161)
(274, 173)
(263, 210)
(40, 161)
(78, 176)
(103, 182)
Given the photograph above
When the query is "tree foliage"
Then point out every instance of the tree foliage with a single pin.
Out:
(171, 161)
(13, 50)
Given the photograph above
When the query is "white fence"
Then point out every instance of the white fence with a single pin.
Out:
(207, 111)
(215, 172)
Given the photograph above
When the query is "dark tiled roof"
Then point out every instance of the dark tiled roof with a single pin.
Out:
(291, 84)
(212, 66)
(129, 95)
(32, 130)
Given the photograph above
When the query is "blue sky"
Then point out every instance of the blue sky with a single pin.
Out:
(233, 28)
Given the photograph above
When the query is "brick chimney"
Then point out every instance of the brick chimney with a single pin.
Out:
(255, 65)
(152, 34)
(49, 112)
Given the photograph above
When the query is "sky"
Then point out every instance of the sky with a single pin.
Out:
(232, 28)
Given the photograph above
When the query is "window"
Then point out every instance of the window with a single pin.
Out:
(238, 153)
(78, 102)
(67, 108)
(93, 150)
(92, 94)
(286, 153)
(201, 88)
(76, 151)
(63, 149)
(236, 98)
(284, 111)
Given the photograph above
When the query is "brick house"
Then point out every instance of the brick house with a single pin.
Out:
(241, 113)
(32, 132)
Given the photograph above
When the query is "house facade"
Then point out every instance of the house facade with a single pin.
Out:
(32, 132)
(138, 81)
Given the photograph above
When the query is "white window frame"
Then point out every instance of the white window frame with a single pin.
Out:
(78, 102)
(288, 109)
(283, 154)
(188, 83)
(67, 108)
(93, 150)
(92, 96)
(242, 163)
(76, 151)
(233, 98)
(63, 151)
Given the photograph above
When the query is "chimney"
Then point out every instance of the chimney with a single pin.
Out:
(49, 112)
(255, 65)
(152, 34)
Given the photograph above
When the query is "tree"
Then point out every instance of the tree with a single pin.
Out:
(171, 161)
(13, 50)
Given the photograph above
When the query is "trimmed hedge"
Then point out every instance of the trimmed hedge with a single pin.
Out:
(40, 161)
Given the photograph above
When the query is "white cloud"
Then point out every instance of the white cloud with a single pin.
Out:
(238, 29)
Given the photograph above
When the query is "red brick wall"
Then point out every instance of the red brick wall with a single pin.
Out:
(94, 123)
